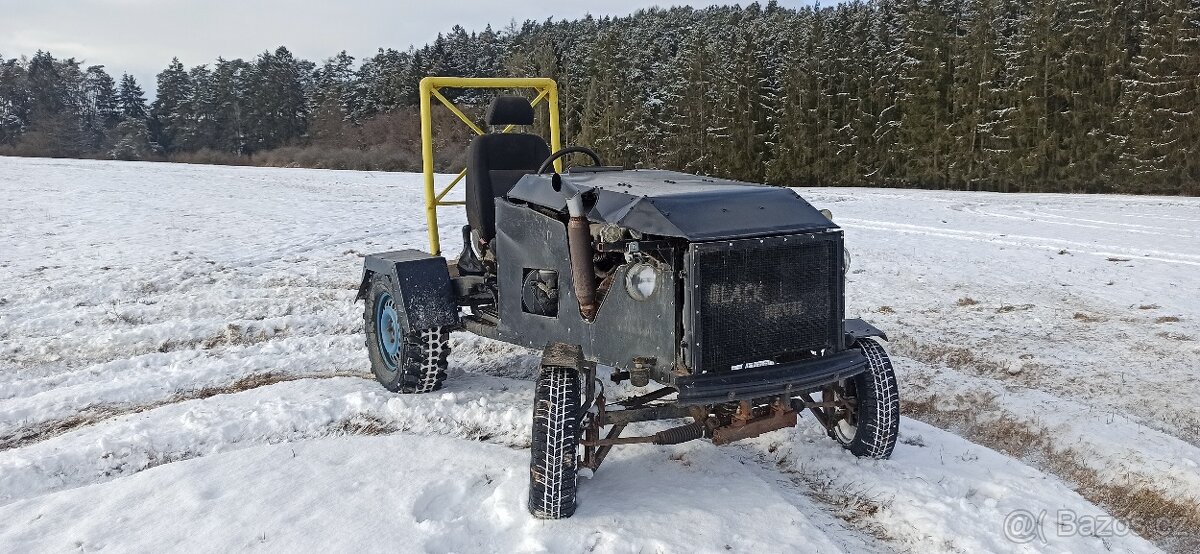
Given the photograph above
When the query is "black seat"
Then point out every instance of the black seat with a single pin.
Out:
(496, 161)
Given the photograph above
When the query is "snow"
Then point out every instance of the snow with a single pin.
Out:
(181, 369)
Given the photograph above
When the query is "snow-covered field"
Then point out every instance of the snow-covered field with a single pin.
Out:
(182, 369)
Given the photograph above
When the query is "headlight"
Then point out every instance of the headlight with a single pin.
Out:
(845, 261)
(641, 280)
(828, 214)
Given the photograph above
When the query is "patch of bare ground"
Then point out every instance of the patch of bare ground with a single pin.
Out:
(1168, 319)
(886, 310)
(1008, 308)
(1176, 336)
(966, 301)
(1150, 509)
(125, 317)
(957, 357)
(363, 424)
(164, 458)
(43, 431)
(236, 335)
(1149, 307)
(91, 415)
(253, 381)
(1088, 318)
(232, 335)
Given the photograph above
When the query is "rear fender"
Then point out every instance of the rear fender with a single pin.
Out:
(422, 281)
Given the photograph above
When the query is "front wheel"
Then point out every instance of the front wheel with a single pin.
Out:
(867, 422)
(553, 463)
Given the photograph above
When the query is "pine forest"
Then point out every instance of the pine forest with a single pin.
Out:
(1001, 95)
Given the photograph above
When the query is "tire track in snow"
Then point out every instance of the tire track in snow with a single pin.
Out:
(1110, 224)
(485, 408)
(155, 379)
(1129, 214)
(1041, 243)
(1075, 222)
(99, 413)
(310, 245)
(847, 509)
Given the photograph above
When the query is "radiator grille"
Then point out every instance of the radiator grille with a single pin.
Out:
(761, 299)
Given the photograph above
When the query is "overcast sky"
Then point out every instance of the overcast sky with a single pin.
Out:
(141, 36)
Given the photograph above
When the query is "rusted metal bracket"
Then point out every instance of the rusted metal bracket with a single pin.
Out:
(599, 452)
(817, 411)
(636, 408)
(639, 375)
(744, 426)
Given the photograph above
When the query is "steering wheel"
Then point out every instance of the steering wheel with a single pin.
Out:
(566, 152)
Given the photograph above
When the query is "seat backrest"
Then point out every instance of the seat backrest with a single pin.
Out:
(496, 161)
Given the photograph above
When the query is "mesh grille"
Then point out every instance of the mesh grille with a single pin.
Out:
(761, 300)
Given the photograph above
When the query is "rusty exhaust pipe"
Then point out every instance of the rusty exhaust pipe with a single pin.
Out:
(579, 243)
(583, 268)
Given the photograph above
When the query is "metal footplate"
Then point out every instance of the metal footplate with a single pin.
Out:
(784, 379)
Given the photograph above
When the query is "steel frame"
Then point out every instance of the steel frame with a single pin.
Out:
(546, 89)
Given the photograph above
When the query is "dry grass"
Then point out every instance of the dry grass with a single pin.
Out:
(1149, 307)
(236, 335)
(42, 431)
(1170, 521)
(957, 357)
(125, 317)
(232, 335)
(1088, 318)
(966, 301)
(1007, 308)
(1176, 336)
(886, 310)
(1168, 319)
(362, 424)
(854, 505)
(241, 385)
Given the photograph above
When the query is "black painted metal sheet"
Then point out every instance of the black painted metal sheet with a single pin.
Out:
(676, 204)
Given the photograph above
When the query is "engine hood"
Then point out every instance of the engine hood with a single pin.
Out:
(675, 204)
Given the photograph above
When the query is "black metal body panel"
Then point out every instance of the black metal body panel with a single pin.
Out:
(423, 281)
(858, 329)
(782, 379)
(623, 329)
(675, 204)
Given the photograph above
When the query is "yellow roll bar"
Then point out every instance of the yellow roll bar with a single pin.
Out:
(546, 89)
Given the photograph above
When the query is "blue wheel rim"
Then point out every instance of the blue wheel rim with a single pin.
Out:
(387, 329)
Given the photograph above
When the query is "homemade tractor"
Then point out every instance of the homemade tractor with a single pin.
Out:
(721, 302)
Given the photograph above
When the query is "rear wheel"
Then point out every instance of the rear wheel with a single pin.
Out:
(553, 463)
(867, 419)
(403, 359)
